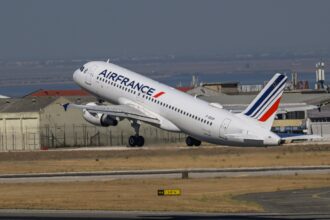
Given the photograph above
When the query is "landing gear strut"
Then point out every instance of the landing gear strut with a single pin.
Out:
(136, 140)
(192, 142)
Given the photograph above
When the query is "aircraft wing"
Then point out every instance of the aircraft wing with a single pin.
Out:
(122, 111)
(283, 108)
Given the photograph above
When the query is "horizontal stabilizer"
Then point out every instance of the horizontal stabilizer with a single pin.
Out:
(302, 137)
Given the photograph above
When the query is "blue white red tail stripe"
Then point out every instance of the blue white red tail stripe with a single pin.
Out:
(270, 111)
(271, 97)
(266, 103)
(265, 93)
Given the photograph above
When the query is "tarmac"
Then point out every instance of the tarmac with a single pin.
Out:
(315, 201)
(162, 173)
(102, 215)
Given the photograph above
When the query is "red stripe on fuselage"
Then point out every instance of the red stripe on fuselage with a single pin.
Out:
(271, 111)
(159, 94)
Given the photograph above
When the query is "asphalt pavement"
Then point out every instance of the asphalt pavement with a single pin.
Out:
(162, 173)
(313, 201)
(102, 215)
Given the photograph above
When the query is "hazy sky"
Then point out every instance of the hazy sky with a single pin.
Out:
(79, 28)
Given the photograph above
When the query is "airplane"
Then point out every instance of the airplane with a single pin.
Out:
(140, 99)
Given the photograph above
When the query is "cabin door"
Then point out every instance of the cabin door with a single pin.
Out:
(224, 127)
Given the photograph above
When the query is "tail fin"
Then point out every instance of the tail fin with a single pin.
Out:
(264, 107)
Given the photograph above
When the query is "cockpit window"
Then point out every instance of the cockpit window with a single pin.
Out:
(82, 68)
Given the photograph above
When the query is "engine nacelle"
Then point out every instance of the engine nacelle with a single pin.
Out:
(103, 120)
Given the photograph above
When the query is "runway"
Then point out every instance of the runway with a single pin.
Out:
(102, 215)
(164, 173)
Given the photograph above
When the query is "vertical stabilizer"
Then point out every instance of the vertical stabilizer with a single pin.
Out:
(264, 107)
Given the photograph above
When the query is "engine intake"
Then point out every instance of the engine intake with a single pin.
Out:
(107, 120)
(99, 119)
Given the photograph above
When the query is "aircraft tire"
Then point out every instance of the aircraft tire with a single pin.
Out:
(189, 141)
(139, 141)
(132, 141)
(197, 143)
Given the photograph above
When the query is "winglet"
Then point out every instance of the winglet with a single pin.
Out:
(66, 106)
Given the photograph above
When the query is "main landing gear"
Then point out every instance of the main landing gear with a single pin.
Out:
(136, 140)
(192, 142)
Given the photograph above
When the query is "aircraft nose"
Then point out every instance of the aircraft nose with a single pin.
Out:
(75, 75)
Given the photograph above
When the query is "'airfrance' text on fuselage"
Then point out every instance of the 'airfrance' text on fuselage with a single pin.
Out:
(125, 81)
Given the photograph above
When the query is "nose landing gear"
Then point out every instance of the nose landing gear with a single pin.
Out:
(136, 140)
(192, 142)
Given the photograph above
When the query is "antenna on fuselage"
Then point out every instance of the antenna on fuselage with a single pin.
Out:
(108, 61)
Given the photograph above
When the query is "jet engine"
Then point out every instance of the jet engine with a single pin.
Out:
(99, 119)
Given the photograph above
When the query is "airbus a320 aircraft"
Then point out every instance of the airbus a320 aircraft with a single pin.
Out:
(141, 99)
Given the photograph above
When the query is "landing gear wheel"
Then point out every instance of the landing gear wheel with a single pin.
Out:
(192, 142)
(132, 141)
(189, 141)
(139, 141)
(197, 143)
(136, 140)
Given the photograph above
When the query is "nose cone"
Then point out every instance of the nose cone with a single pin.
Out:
(75, 75)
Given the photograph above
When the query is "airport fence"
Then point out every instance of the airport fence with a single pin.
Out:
(33, 138)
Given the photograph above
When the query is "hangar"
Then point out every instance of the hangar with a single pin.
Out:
(19, 123)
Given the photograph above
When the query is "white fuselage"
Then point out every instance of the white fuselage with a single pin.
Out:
(177, 111)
